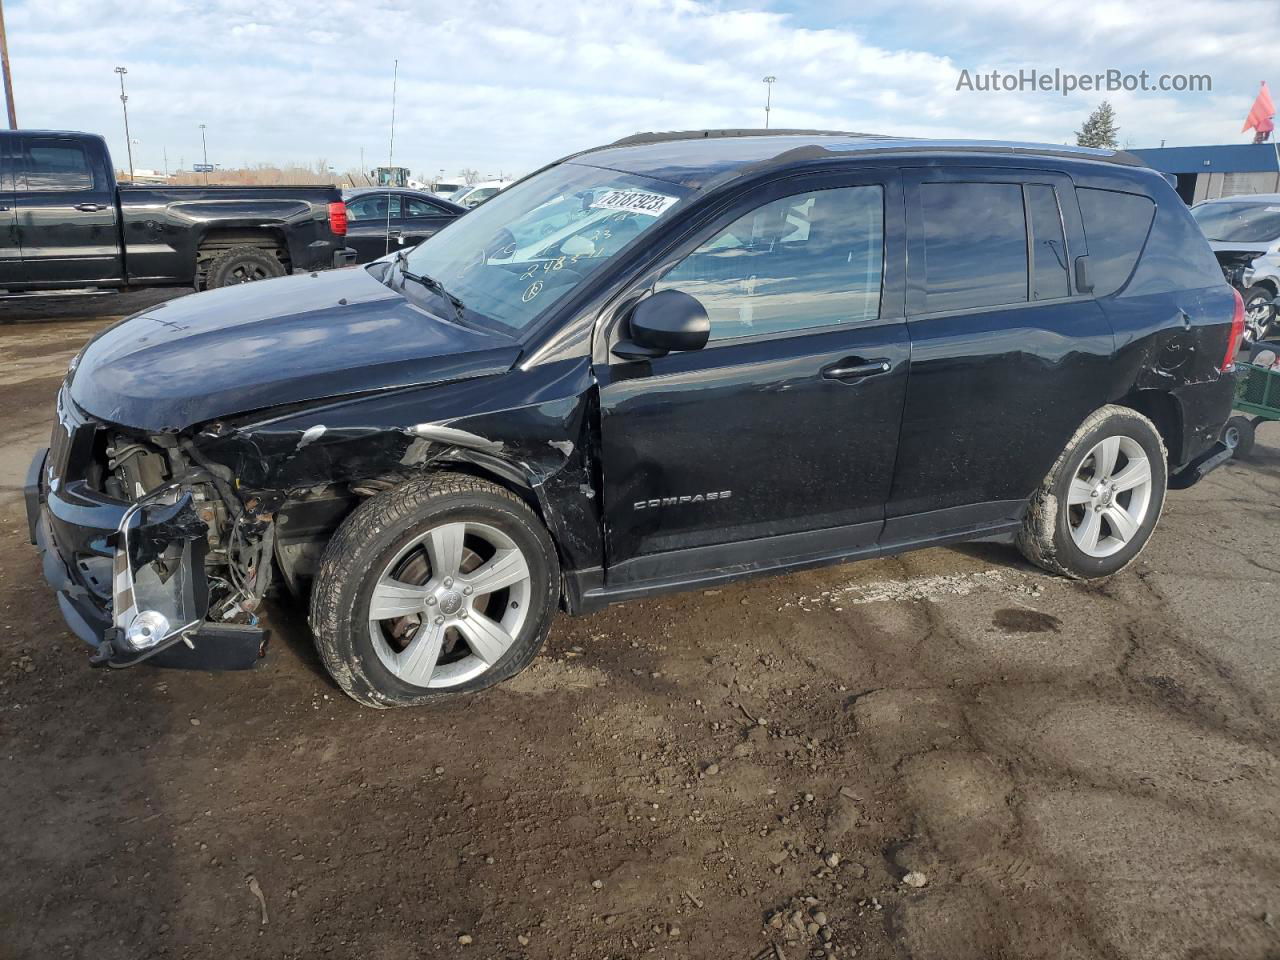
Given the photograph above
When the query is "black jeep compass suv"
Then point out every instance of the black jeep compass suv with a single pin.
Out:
(673, 361)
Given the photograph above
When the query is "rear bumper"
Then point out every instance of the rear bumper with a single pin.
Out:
(1204, 408)
(76, 535)
(344, 257)
(1198, 469)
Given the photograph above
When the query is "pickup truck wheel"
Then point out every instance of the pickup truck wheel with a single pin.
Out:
(444, 584)
(1100, 503)
(243, 264)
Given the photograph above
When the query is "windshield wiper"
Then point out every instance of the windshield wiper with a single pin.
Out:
(432, 284)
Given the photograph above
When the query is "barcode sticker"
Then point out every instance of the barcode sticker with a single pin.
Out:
(634, 201)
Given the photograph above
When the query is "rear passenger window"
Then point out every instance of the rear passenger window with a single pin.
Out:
(810, 260)
(975, 245)
(1115, 228)
(1048, 245)
(416, 209)
(57, 165)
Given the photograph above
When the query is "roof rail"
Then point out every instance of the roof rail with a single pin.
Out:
(666, 136)
(975, 146)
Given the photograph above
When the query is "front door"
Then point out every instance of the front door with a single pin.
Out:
(66, 215)
(776, 441)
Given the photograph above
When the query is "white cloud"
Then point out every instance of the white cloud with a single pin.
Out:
(511, 86)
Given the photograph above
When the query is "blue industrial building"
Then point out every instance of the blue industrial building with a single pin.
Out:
(1225, 170)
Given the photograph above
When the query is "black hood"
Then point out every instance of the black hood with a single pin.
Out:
(274, 342)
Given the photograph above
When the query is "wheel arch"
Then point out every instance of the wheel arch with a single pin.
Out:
(217, 240)
(1163, 409)
(518, 479)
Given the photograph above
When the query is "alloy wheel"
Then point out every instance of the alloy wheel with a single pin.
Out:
(1258, 314)
(248, 273)
(449, 604)
(1109, 496)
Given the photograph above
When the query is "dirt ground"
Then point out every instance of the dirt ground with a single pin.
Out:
(944, 755)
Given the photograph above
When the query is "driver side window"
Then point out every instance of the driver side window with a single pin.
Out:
(810, 260)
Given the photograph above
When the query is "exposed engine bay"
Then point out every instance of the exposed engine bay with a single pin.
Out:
(188, 550)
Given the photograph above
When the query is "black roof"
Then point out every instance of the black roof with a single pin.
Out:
(697, 158)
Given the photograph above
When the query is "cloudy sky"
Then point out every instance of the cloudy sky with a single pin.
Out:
(506, 86)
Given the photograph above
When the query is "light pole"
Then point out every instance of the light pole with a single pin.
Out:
(768, 97)
(205, 147)
(8, 77)
(124, 105)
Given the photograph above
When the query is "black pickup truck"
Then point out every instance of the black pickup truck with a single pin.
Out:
(66, 225)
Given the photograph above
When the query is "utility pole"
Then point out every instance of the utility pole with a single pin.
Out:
(205, 146)
(124, 105)
(768, 97)
(8, 77)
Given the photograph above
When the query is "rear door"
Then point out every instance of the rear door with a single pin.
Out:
(420, 218)
(1008, 357)
(66, 214)
(10, 248)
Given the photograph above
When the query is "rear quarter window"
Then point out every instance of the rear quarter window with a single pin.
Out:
(1177, 256)
(1116, 226)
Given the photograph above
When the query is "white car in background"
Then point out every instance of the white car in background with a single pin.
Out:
(1244, 232)
(478, 193)
(445, 189)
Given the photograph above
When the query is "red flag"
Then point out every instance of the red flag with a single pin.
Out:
(1261, 115)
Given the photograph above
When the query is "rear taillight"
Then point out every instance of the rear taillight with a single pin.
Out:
(1237, 331)
(338, 218)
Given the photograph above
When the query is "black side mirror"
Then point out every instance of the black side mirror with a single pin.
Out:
(669, 320)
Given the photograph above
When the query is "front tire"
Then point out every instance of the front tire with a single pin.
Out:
(445, 584)
(1101, 501)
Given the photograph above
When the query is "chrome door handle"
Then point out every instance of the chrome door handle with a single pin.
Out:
(866, 368)
(90, 207)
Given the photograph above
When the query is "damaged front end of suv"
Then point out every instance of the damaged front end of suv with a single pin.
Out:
(196, 462)
(149, 546)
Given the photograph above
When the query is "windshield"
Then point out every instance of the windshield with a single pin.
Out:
(526, 248)
(1239, 222)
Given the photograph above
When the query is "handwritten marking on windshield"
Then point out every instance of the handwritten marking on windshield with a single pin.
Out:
(535, 288)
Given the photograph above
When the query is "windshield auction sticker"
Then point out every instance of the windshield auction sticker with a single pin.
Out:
(634, 201)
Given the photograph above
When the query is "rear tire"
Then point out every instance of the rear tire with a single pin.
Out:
(1238, 434)
(443, 585)
(243, 264)
(1101, 501)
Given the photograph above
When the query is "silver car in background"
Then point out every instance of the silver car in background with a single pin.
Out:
(1244, 233)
